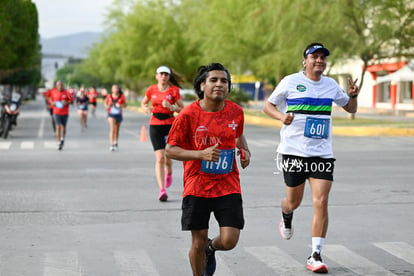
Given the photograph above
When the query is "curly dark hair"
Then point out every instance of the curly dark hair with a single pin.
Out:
(203, 74)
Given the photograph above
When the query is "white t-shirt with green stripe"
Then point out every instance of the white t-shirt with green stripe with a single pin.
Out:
(310, 133)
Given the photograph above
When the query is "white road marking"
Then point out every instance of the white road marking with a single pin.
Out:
(5, 145)
(62, 264)
(26, 145)
(401, 250)
(135, 263)
(277, 260)
(353, 261)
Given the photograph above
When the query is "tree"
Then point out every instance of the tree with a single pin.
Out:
(263, 37)
(141, 40)
(19, 38)
(376, 29)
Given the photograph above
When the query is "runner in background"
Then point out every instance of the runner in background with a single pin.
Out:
(72, 93)
(207, 135)
(82, 101)
(104, 93)
(93, 96)
(61, 100)
(49, 106)
(165, 100)
(114, 103)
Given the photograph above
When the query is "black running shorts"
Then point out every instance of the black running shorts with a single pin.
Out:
(158, 135)
(297, 169)
(117, 117)
(228, 211)
(61, 119)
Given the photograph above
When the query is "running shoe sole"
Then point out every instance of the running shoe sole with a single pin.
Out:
(318, 269)
(315, 264)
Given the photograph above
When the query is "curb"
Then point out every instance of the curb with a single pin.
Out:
(372, 131)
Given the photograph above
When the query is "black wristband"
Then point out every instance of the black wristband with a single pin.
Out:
(353, 97)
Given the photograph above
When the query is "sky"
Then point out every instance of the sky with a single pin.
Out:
(63, 17)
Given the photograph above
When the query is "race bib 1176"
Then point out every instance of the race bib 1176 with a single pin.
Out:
(222, 166)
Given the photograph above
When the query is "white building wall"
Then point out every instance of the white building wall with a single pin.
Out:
(353, 68)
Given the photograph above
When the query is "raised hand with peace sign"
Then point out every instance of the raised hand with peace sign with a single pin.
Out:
(353, 89)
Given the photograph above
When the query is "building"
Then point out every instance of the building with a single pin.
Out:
(388, 84)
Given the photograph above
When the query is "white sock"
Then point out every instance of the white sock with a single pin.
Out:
(317, 244)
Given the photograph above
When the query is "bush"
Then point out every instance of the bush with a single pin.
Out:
(190, 97)
(238, 96)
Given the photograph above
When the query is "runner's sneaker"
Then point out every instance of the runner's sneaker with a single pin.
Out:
(163, 195)
(285, 226)
(168, 179)
(116, 147)
(112, 148)
(60, 144)
(210, 260)
(315, 264)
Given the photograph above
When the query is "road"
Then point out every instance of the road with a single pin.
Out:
(88, 211)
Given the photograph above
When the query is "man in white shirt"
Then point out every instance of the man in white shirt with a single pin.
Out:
(303, 102)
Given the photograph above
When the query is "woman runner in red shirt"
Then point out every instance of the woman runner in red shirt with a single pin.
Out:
(165, 100)
(114, 103)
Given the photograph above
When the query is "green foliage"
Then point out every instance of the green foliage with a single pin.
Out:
(24, 77)
(263, 37)
(238, 96)
(75, 76)
(190, 97)
(139, 42)
(19, 39)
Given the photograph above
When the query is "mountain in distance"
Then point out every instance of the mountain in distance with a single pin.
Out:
(74, 45)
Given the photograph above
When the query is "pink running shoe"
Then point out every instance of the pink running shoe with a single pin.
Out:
(163, 195)
(168, 179)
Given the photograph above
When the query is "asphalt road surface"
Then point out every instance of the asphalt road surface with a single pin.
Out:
(88, 211)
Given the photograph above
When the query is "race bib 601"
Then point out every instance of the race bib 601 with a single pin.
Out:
(317, 128)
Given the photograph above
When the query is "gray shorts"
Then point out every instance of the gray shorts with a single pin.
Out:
(61, 119)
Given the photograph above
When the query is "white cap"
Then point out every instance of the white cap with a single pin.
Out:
(163, 69)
